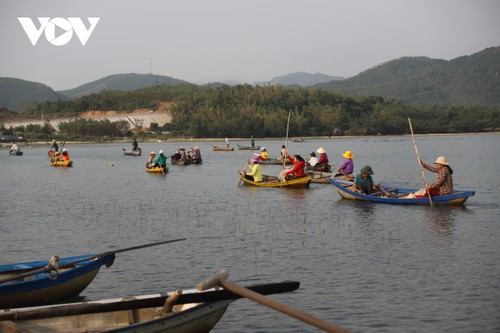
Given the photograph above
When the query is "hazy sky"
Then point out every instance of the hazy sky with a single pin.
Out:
(204, 41)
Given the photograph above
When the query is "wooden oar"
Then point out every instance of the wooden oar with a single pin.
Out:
(220, 279)
(143, 301)
(243, 173)
(46, 269)
(420, 164)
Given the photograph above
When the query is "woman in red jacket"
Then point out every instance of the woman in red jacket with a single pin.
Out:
(297, 171)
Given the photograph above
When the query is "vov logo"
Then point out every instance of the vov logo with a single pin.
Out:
(63, 26)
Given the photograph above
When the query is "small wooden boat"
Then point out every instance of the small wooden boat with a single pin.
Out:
(137, 152)
(297, 140)
(403, 196)
(176, 312)
(271, 161)
(240, 147)
(16, 153)
(179, 162)
(219, 148)
(159, 170)
(323, 177)
(22, 288)
(271, 181)
(196, 161)
(56, 163)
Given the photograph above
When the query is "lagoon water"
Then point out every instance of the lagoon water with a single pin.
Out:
(365, 267)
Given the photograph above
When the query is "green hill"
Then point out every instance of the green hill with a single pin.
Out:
(126, 82)
(465, 81)
(303, 79)
(18, 95)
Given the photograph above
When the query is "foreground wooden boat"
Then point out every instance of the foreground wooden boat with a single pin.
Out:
(271, 181)
(176, 312)
(240, 147)
(159, 170)
(48, 285)
(393, 195)
(68, 163)
(219, 148)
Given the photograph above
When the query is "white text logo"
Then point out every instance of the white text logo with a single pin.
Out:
(63, 27)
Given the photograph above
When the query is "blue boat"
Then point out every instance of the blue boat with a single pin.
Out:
(43, 282)
(394, 195)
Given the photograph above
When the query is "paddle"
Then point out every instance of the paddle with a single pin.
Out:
(47, 269)
(143, 301)
(242, 173)
(220, 280)
(420, 164)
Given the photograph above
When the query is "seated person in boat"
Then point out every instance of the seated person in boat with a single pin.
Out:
(150, 160)
(159, 161)
(14, 148)
(363, 182)
(64, 155)
(347, 166)
(255, 174)
(195, 154)
(183, 157)
(264, 155)
(323, 163)
(312, 160)
(297, 171)
(176, 156)
(444, 182)
(54, 147)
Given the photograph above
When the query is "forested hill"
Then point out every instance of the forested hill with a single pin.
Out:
(17, 94)
(471, 81)
(125, 82)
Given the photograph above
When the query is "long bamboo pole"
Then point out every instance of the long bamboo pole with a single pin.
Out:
(286, 139)
(420, 164)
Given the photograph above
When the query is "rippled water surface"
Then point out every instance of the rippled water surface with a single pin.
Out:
(365, 267)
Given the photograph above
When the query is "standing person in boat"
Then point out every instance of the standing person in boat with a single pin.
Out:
(160, 160)
(444, 182)
(252, 141)
(54, 147)
(255, 174)
(284, 153)
(227, 142)
(150, 160)
(363, 182)
(297, 171)
(323, 158)
(347, 166)
(135, 145)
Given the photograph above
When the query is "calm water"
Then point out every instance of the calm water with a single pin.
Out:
(364, 267)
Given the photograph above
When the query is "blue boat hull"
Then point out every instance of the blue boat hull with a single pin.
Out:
(400, 195)
(40, 289)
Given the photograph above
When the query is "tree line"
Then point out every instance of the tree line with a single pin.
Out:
(262, 111)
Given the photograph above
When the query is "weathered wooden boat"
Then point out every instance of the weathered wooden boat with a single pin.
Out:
(394, 195)
(240, 147)
(297, 140)
(219, 148)
(323, 167)
(57, 163)
(176, 312)
(272, 181)
(196, 161)
(270, 161)
(323, 177)
(158, 170)
(52, 280)
(179, 162)
(137, 152)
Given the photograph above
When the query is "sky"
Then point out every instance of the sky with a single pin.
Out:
(203, 41)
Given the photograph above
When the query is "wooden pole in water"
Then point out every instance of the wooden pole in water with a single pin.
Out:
(286, 139)
(420, 164)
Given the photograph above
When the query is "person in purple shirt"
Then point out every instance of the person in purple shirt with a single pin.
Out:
(347, 166)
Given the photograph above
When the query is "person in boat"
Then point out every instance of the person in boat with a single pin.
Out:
(14, 148)
(182, 152)
(160, 161)
(252, 141)
(347, 166)
(444, 182)
(284, 153)
(150, 160)
(312, 160)
(135, 145)
(264, 155)
(176, 156)
(195, 154)
(323, 159)
(54, 147)
(64, 155)
(297, 171)
(255, 174)
(363, 182)
(227, 142)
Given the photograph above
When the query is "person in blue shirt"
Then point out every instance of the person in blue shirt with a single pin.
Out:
(363, 182)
